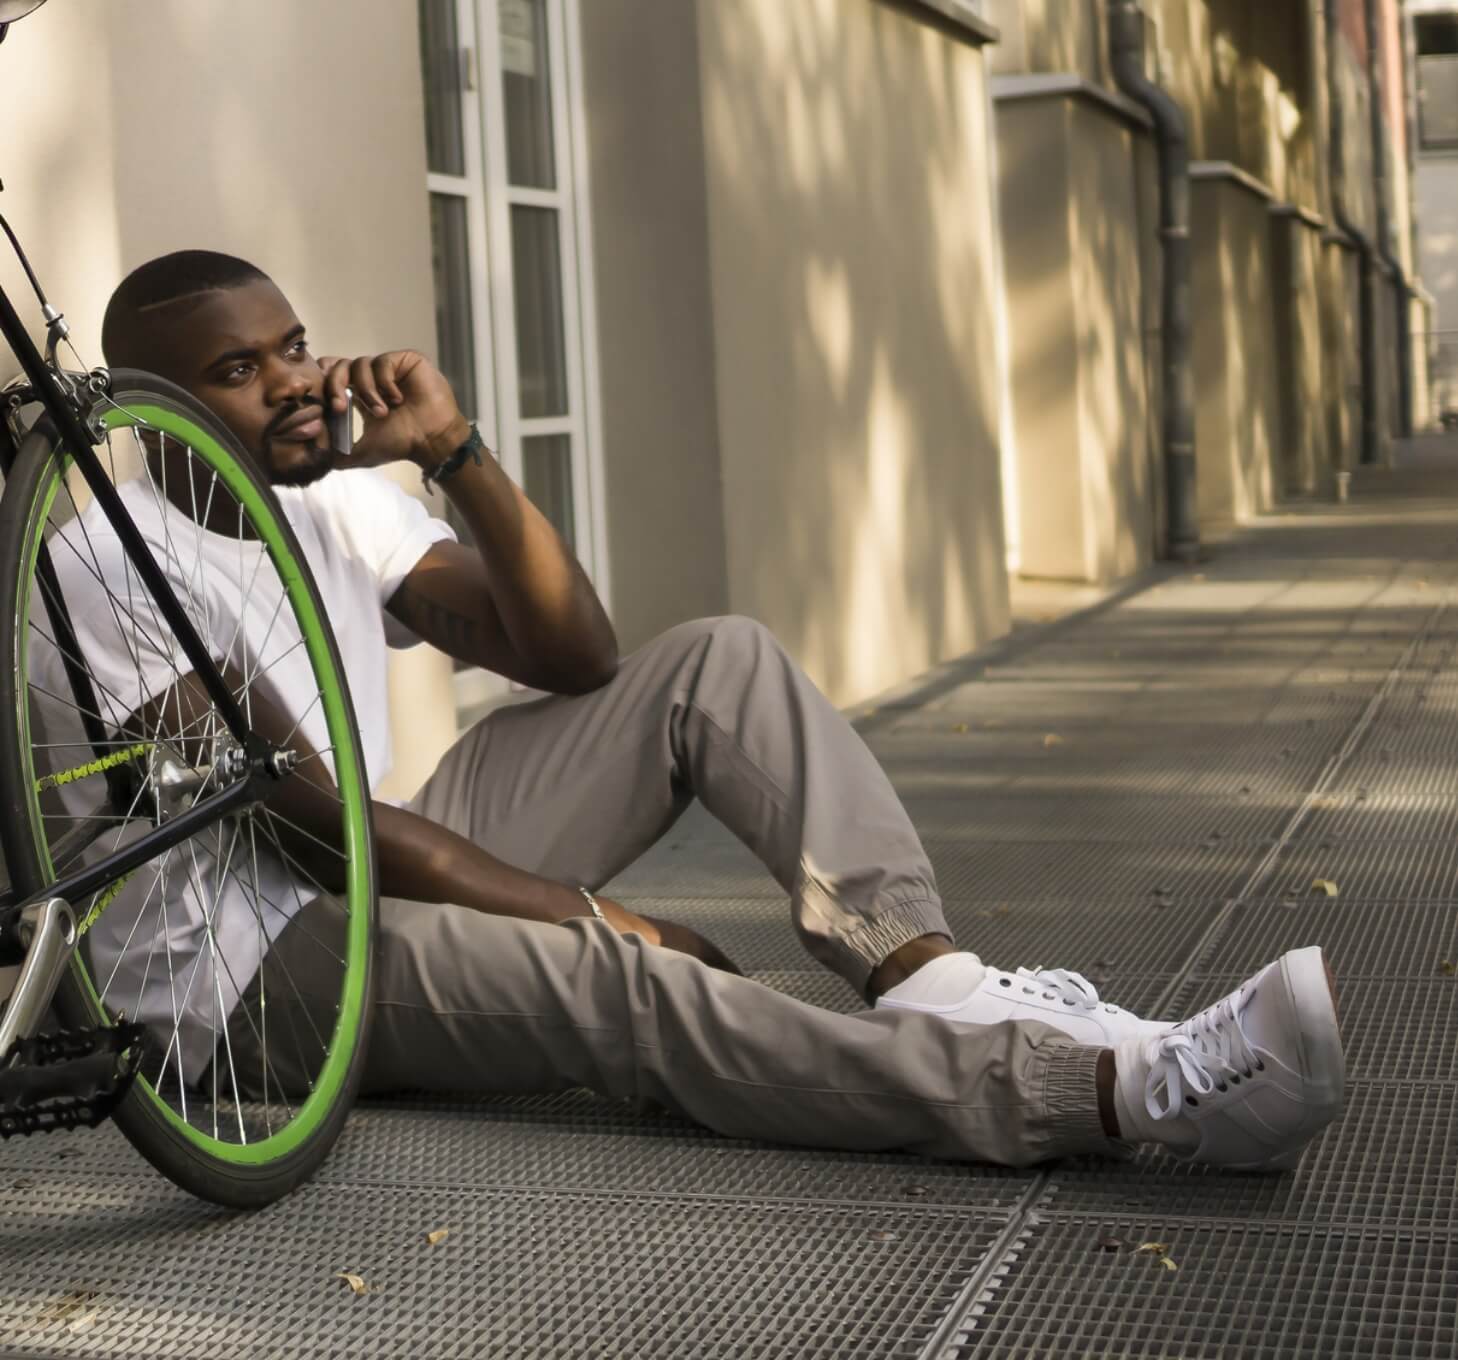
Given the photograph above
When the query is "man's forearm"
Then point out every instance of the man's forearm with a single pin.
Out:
(420, 860)
(546, 602)
(425, 862)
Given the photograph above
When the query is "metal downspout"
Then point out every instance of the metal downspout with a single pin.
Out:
(1377, 81)
(1367, 319)
(1126, 42)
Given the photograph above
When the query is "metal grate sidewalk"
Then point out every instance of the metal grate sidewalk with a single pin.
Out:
(1289, 712)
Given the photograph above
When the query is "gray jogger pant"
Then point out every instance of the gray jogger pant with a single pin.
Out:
(575, 789)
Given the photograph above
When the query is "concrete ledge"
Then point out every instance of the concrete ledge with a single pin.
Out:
(959, 14)
(1067, 85)
(1212, 170)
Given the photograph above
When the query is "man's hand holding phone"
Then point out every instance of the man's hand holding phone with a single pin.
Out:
(410, 413)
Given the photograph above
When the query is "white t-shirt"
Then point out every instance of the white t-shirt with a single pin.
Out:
(361, 535)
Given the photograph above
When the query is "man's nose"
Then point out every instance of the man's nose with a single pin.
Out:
(292, 384)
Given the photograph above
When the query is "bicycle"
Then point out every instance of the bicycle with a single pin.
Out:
(143, 816)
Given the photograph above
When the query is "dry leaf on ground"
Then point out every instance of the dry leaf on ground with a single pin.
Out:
(1160, 1250)
(353, 1281)
(1052, 739)
(1324, 885)
(1448, 966)
(438, 1235)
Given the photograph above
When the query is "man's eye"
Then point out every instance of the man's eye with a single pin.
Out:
(236, 372)
(299, 347)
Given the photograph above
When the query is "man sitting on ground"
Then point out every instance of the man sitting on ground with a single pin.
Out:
(498, 969)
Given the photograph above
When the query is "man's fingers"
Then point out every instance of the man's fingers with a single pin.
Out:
(336, 379)
(386, 367)
(366, 389)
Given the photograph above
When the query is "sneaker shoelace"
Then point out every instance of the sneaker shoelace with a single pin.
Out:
(1207, 1053)
(1073, 989)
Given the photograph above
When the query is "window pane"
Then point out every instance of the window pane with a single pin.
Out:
(541, 356)
(451, 263)
(1437, 34)
(440, 69)
(546, 461)
(1438, 100)
(527, 92)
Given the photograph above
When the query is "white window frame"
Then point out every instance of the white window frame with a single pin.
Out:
(489, 200)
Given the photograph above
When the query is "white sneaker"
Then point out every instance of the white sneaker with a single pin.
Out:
(1068, 1001)
(1247, 1082)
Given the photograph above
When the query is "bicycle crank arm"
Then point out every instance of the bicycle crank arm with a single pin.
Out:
(51, 927)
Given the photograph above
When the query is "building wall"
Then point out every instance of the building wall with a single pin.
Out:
(665, 508)
(1341, 312)
(1238, 407)
(1072, 218)
(1296, 292)
(1437, 206)
(853, 280)
(1050, 35)
(275, 131)
(1108, 293)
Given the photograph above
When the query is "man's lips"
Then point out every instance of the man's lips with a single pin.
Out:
(306, 425)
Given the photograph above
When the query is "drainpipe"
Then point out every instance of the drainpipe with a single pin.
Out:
(1414, 244)
(1377, 82)
(1126, 44)
(1367, 318)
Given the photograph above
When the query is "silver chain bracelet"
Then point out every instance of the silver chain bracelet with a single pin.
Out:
(592, 902)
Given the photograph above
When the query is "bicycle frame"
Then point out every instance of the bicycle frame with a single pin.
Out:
(66, 415)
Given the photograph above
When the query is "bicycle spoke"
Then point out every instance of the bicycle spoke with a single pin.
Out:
(275, 815)
(288, 975)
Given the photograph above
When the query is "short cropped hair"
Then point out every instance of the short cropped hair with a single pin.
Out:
(168, 281)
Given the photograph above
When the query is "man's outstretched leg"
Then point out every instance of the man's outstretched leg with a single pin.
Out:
(488, 1004)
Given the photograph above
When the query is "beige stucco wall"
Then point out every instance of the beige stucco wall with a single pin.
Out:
(1303, 459)
(1072, 214)
(1237, 406)
(850, 222)
(1341, 311)
(665, 510)
(1437, 206)
(272, 130)
(1240, 71)
(1050, 35)
(1246, 78)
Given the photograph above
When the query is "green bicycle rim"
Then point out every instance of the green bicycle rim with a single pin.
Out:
(330, 1081)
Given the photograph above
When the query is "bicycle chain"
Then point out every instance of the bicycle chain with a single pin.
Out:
(104, 1061)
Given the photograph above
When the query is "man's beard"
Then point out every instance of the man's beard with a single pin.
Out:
(314, 462)
(319, 464)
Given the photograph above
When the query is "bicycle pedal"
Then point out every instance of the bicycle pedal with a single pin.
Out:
(68, 1080)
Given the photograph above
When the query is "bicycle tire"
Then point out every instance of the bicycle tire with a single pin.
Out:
(233, 1170)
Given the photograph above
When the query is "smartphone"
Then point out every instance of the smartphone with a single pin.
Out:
(341, 425)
